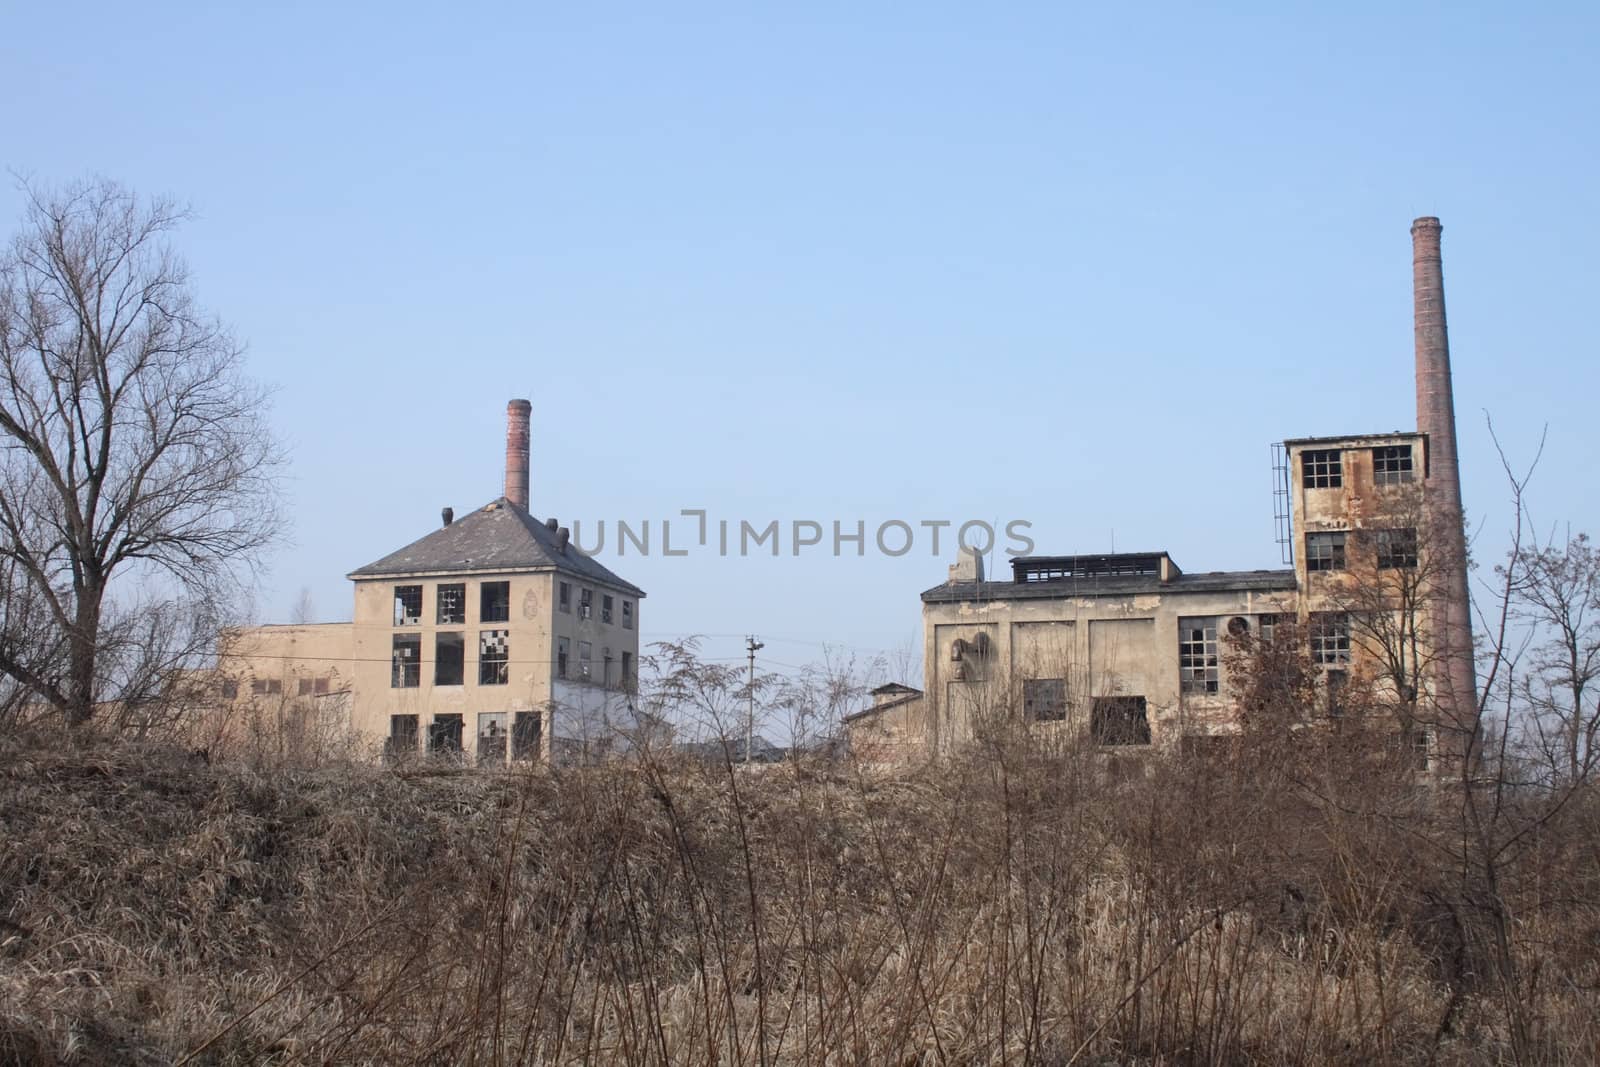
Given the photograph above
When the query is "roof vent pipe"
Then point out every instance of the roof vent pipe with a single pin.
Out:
(564, 535)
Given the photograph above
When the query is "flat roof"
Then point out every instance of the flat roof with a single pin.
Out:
(1113, 585)
(1352, 437)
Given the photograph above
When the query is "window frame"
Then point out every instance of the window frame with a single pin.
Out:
(1045, 699)
(489, 600)
(1337, 542)
(1329, 638)
(1393, 464)
(606, 605)
(402, 601)
(1322, 468)
(627, 614)
(1199, 657)
(494, 670)
(564, 597)
(1396, 549)
(450, 604)
(399, 669)
(443, 640)
(1134, 732)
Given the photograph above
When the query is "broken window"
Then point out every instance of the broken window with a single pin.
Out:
(1325, 551)
(491, 738)
(1334, 682)
(627, 670)
(494, 657)
(1267, 627)
(303, 687)
(1321, 469)
(605, 609)
(627, 614)
(1197, 655)
(230, 690)
(449, 659)
(266, 687)
(1391, 464)
(452, 608)
(585, 603)
(407, 672)
(1419, 746)
(494, 602)
(1330, 637)
(322, 686)
(525, 735)
(1120, 721)
(402, 740)
(1396, 548)
(407, 605)
(605, 666)
(444, 736)
(563, 647)
(1044, 699)
(585, 651)
(564, 596)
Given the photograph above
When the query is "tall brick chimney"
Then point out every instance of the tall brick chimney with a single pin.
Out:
(517, 413)
(1436, 417)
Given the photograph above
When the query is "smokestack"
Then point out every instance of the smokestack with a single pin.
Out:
(517, 413)
(1436, 417)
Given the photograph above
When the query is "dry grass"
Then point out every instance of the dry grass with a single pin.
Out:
(1017, 906)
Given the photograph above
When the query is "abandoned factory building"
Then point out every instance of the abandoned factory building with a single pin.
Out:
(1131, 650)
(492, 638)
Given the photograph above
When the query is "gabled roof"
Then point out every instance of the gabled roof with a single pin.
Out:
(497, 537)
(894, 687)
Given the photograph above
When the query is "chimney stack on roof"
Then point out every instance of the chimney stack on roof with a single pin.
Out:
(447, 515)
(517, 412)
(1436, 417)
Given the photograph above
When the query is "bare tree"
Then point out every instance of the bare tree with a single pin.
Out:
(137, 470)
(1557, 590)
(305, 608)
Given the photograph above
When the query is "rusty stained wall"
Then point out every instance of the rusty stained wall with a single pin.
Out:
(1100, 645)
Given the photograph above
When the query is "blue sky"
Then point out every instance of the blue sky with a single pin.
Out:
(1076, 265)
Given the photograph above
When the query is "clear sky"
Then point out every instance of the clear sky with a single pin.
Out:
(1070, 264)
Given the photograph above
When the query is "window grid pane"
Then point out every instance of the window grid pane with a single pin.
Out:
(1197, 655)
(1321, 469)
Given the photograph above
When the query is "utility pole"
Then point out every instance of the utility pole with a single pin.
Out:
(752, 646)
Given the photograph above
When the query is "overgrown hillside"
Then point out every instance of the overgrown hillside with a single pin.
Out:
(154, 908)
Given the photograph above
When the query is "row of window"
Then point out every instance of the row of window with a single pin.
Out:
(444, 737)
(494, 604)
(271, 687)
(1113, 720)
(586, 605)
(1395, 549)
(1323, 468)
(494, 660)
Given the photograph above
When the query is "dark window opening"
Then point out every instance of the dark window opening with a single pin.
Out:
(407, 605)
(1330, 638)
(407, 666)
(444, 736)
(1391, 464)
(563, 649)
(303, 687)
(452, 604)
(266, 687)
(1321, 469)
(1065, 568)
(449, 659)
(491, 738)
(1397, 549)
(526, 729)
(494, 657)
(230, 690)
(564, 596)
(627, 614)
(402, 740)
(605, 609)
(1334, 682)
(494, 602)
(1325, 551)
(585, 603)
(585, 654)
(1197, 655)
(1119, 721)
(627, 670)
(1267, 626)
(605, 666)
(1044, 699)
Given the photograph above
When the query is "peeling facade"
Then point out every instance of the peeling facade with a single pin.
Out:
(1129, 651)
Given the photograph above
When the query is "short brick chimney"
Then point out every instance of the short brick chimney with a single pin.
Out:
(517, 412)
